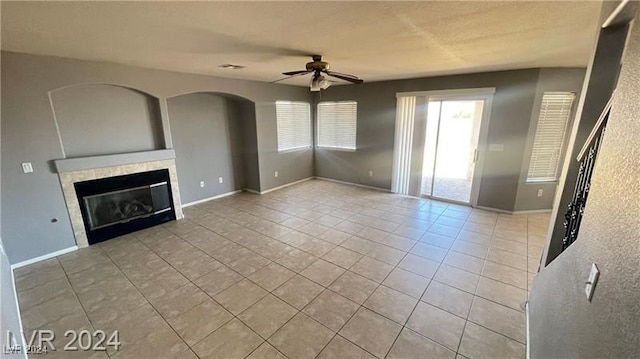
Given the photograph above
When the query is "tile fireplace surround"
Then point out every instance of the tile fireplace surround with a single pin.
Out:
(75, 170)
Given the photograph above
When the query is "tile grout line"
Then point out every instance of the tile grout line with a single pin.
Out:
(406, 253)
(480, 275)
(147, 299)
(271, 292)
(234, 316)
(360, 306)
(378, 286)
(75, 294)
(254, 227)
(420, 299)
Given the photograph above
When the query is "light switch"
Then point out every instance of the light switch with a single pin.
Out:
(540, 192)
(26, 167)
(276, 174)
(220, 180)
(590, 285)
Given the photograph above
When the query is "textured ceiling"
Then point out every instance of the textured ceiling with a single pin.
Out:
(373, 40)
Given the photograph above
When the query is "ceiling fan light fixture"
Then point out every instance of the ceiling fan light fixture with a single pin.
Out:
(318, 69)
(319, 83)
(231, 66)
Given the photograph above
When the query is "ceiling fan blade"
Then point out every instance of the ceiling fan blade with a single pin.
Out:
(299, 73)
(340, 74)
(295, 73)
(345, 77)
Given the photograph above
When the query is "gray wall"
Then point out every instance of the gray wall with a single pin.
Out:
(549, 80)
(9, 313)
(289, 164)
(91, 118)
(29, 134)
(509, 125)
(206, 136)
(563, 323)
(248, 135)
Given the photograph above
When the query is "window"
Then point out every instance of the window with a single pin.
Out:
(293, 120)
(550, 134)
(337, 125)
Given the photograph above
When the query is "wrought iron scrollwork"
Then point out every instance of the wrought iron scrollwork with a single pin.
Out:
(575, 209)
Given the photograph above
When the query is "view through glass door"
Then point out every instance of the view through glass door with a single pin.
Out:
(451, 149)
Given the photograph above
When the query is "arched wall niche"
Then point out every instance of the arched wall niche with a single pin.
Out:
(103, 119)
(215, 140)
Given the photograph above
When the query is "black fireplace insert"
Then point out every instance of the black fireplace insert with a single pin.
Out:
(119, 205)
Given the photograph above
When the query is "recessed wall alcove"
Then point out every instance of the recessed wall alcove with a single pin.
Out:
(215, 139)
(99, 119)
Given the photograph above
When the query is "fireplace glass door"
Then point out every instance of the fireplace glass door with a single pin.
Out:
(107, 209)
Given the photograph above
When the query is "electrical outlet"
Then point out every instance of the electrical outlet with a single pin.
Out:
(220, 180)
(276, 174)
(540, 192)
(370, 173)
(201, 184)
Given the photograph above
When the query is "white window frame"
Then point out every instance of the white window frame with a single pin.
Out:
(355, 127)
(305, 143)
(563, 99)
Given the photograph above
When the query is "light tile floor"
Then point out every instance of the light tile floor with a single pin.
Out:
(316, 270)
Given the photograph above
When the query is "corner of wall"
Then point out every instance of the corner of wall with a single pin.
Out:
(10, 320)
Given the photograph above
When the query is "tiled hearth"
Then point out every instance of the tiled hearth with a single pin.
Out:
(67, 179)
(316, 270)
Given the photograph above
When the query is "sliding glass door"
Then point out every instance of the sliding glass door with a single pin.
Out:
(451, 148)
(439, 143)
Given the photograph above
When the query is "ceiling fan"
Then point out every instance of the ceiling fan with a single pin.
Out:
(320, 68)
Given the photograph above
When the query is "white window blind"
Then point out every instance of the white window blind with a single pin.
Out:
(550, 134)
(403, 145)
(337, 123)
(293, 120)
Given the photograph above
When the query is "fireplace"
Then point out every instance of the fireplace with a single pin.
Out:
(119, 205)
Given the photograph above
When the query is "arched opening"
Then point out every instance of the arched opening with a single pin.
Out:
(214, 136)
(102, 119)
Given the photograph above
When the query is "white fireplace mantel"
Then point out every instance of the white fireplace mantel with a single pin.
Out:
(93, 162)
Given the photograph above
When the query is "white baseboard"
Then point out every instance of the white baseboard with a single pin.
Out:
(353, 184)
(285, 185)
(44, 257)
(537, 211)
(318, 178)
(210, 198)
(494, 209)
